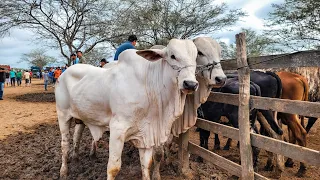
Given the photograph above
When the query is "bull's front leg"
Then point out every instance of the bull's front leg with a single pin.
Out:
(146, 162)
(76, 140)
(117, 137)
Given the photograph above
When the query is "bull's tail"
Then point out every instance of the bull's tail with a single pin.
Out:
(279, 83)
(273, 124)
(254, 111)
(305, 88)
(305, 96)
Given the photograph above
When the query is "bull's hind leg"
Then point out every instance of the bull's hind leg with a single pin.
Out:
(76, 139)
(64, 125)
(146, 162)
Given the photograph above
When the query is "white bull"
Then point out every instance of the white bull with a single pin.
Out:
(139, 100)
(209, 75)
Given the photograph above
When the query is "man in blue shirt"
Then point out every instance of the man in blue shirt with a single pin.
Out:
(74, 59)
(132, 40)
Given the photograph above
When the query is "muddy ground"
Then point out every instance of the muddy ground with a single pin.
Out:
(30, 145)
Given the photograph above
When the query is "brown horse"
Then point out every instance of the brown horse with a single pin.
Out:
(294, 87)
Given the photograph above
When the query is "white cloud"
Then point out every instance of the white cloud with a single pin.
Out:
(253, 20)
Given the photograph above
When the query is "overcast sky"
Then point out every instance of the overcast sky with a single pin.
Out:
(21, 41)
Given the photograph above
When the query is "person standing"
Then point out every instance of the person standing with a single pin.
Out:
(19, 77)
(46, 80)
(38, 75)
(7, 78)
(13, 78)
(56, 74)
(2, 80)
(27, 78)
(130, 44)
(41, 74)
(30, 76)
(81, 58)
(50, 74)
(74, 59)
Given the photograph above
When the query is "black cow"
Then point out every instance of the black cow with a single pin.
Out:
(213, 111)
(267, 83)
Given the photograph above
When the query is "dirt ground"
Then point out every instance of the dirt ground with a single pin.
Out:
(30, 145)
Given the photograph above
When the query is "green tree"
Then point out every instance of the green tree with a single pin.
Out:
(296, 23)
(37, 57)
(258, 44)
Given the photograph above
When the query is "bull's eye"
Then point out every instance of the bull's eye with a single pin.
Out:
(200, 53)
(173, 57)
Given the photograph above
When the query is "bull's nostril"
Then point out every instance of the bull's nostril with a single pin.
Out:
(220, 80)
(190, 85)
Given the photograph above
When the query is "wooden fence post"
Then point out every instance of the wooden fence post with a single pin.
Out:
(184, 153)
(244, 97)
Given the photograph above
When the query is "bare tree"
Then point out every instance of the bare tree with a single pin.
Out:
(94, 57)
(69, 25)
(38, 58)
(157, 21)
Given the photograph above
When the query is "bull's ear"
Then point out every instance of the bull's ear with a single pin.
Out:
(151, 54)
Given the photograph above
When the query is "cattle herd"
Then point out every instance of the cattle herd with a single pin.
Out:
(149, 95)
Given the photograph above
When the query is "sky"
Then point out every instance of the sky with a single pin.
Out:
(21, 41)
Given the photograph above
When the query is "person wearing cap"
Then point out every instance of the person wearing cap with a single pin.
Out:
(130, 44)
(103, 62)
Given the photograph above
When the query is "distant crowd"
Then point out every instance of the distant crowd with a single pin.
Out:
(51, 74)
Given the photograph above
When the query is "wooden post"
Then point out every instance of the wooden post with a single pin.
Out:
(184, 153)
(244, 97)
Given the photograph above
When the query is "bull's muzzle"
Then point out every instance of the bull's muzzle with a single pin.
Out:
(190, 85)
(220, 81)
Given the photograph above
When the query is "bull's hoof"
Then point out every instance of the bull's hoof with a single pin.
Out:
(63, 173)
(199, 159)
(75, 157)
(216, 147)
(226, 148)
(289, 163)
(280, 132)
(277, 173)
(302, 172)
(269, 167)
(156, 175)
(92, 156)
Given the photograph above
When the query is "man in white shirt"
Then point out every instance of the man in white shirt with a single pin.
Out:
(26, 75)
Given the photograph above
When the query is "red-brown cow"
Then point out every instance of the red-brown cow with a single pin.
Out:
(294, 87)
